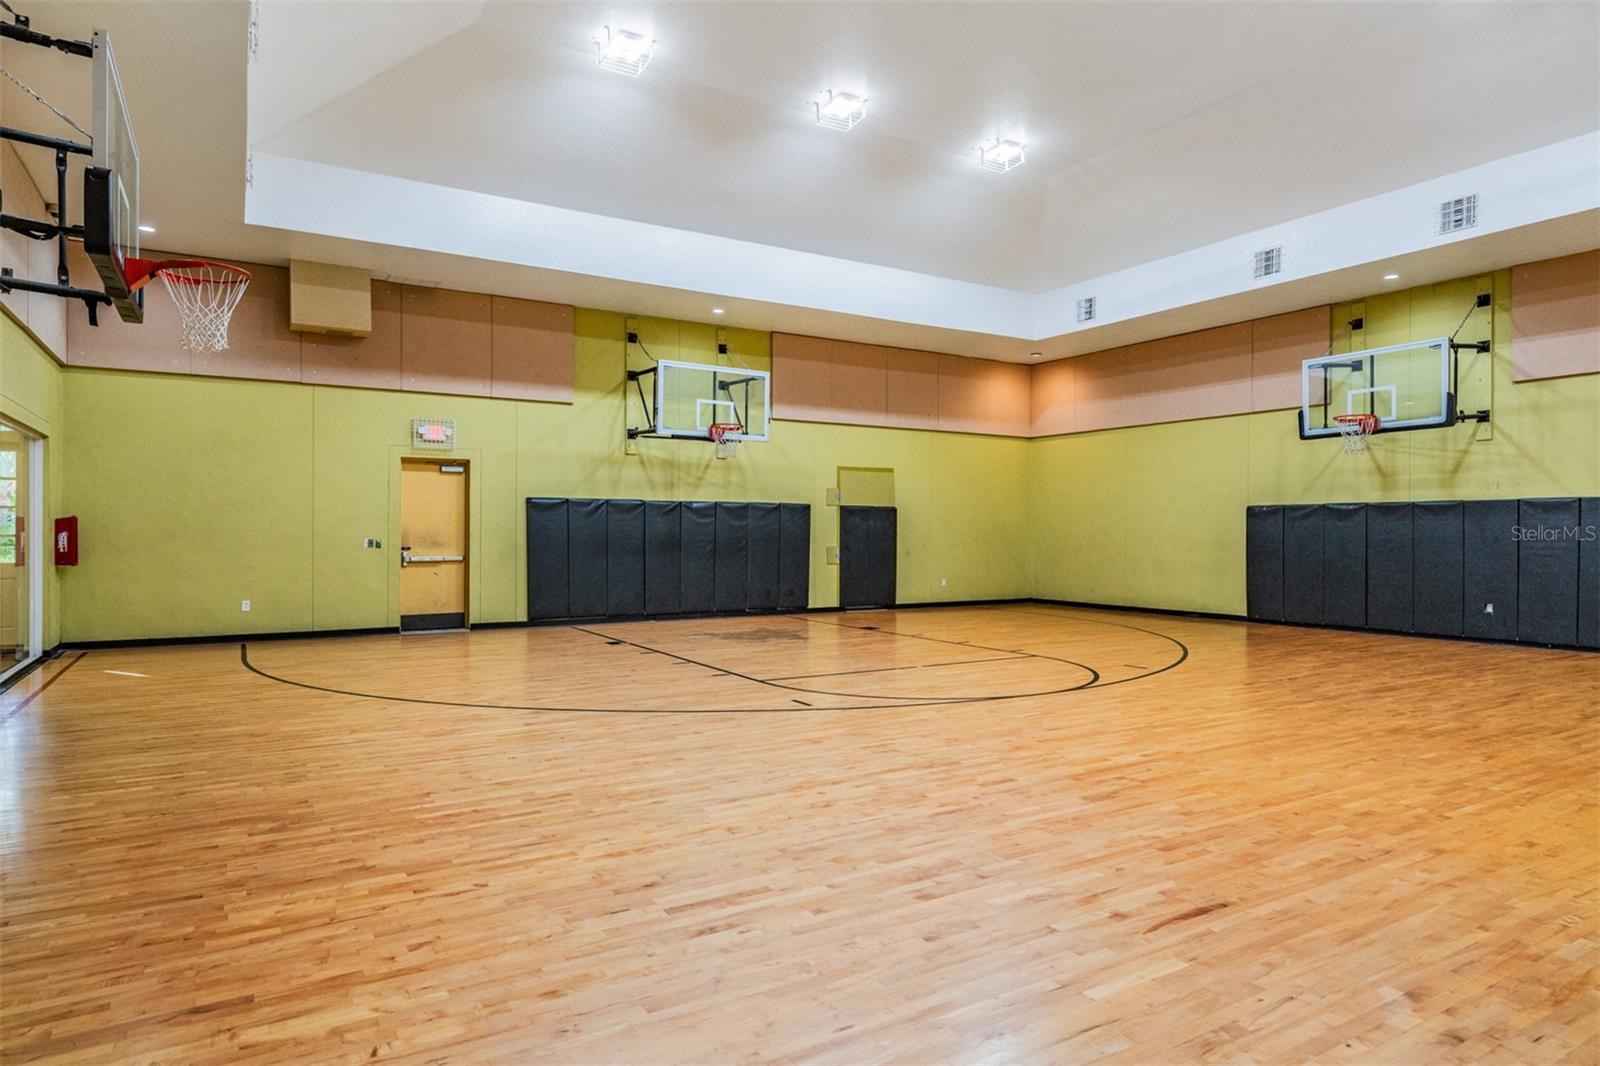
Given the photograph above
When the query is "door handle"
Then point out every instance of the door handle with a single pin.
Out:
(407, 559)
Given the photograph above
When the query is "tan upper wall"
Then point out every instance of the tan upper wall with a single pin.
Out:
(422, 340)
(474, 344)
(819, 380)
(1555, 317)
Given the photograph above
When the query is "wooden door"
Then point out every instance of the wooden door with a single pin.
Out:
(433, 544)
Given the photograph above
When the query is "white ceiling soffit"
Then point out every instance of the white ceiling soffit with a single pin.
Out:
(1551, 193)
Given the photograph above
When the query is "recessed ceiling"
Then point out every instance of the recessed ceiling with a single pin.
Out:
(1151, 130)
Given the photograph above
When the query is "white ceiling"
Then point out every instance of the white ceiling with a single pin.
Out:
(1153, 129)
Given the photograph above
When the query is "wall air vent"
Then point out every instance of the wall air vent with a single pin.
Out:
(1458, 214)
(1086, 309)
(1269, 261)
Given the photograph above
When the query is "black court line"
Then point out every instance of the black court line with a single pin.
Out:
(891, 669)
(52, 679)
(1094, 675)
(880, 705)
(1183, 649)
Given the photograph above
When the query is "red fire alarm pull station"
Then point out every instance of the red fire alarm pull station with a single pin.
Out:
(67, 541)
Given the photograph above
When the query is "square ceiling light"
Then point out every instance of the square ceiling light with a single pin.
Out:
(1001, 156)
(840, 111)
(624, 51)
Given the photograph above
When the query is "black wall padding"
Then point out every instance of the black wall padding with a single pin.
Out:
(547, 559)
(1302, 564)
(1589, 572)
(766, 530)
(1344, 565)
(586, 558)
(1489, 579)
(1437, 568)
(1389, 567)
(1263, 553)
(794, 556)
(698, 558)
(624, 557)
(867, 551)
(663, 593)
(733, 556)
(1547, 571)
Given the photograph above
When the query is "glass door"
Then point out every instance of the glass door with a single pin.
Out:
(19, 543)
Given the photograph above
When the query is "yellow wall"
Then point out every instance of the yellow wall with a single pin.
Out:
(31, 396)
(1154, 515)
(197, 493)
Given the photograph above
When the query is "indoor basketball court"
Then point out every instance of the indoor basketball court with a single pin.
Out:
(799, 533)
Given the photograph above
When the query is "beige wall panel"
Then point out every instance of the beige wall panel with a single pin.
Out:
(1555, 317)
(911, 388)
(445, 342)
(1008, 397)
(961, 402)
(21, 198)
(118, 345)
(1278, 346)
(532, 347)
(371, 362)
(260, 343)
(1196, 375)
(1052, 402)
(856, 383)
(802, 372)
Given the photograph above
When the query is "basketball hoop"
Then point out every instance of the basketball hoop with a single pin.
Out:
(1355, 431)
(205, 291)
(721, 433)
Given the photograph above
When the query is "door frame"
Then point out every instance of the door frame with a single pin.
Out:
(398, 537)
(34, 545)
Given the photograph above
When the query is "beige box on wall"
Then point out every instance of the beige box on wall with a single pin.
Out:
(324, 298)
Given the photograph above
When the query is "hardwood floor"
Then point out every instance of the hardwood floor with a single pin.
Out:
(1014, 833)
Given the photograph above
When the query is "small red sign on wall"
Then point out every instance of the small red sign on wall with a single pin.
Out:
(67, 541)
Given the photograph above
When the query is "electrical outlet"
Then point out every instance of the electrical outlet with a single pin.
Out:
(244, 605)
(943, 582)
(630, 447)
(372, 542)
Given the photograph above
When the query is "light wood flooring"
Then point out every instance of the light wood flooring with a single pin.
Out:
(1017, 833)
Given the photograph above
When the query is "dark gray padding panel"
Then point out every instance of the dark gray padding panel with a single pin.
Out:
(1344, 565)
(1589, 573)
(697, 524)
(733, 556)
(794, 556)
(624, 557)
(547, 559)
(1437, 568)
(1547, 571)
(766, 531)
(1389, 563)
(1263, 562)
(867, 556)
(663, 593)
(1302, 563)
(586, 558)
(1489, 571)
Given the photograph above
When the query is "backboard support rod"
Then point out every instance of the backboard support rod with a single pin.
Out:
(21, 30)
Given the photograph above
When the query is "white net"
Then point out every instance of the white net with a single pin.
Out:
(1355, 431)
(206, 295)
(727, 446)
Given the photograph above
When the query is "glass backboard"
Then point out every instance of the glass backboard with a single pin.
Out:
(1407, 386)
(689, 397)
(111, 185)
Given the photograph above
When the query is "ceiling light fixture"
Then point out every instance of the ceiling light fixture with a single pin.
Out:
(1391, 277)
(840, 111)
(1034, 355)
(1001, 156)
(717, 311)
(624, 51)
(145, 227)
